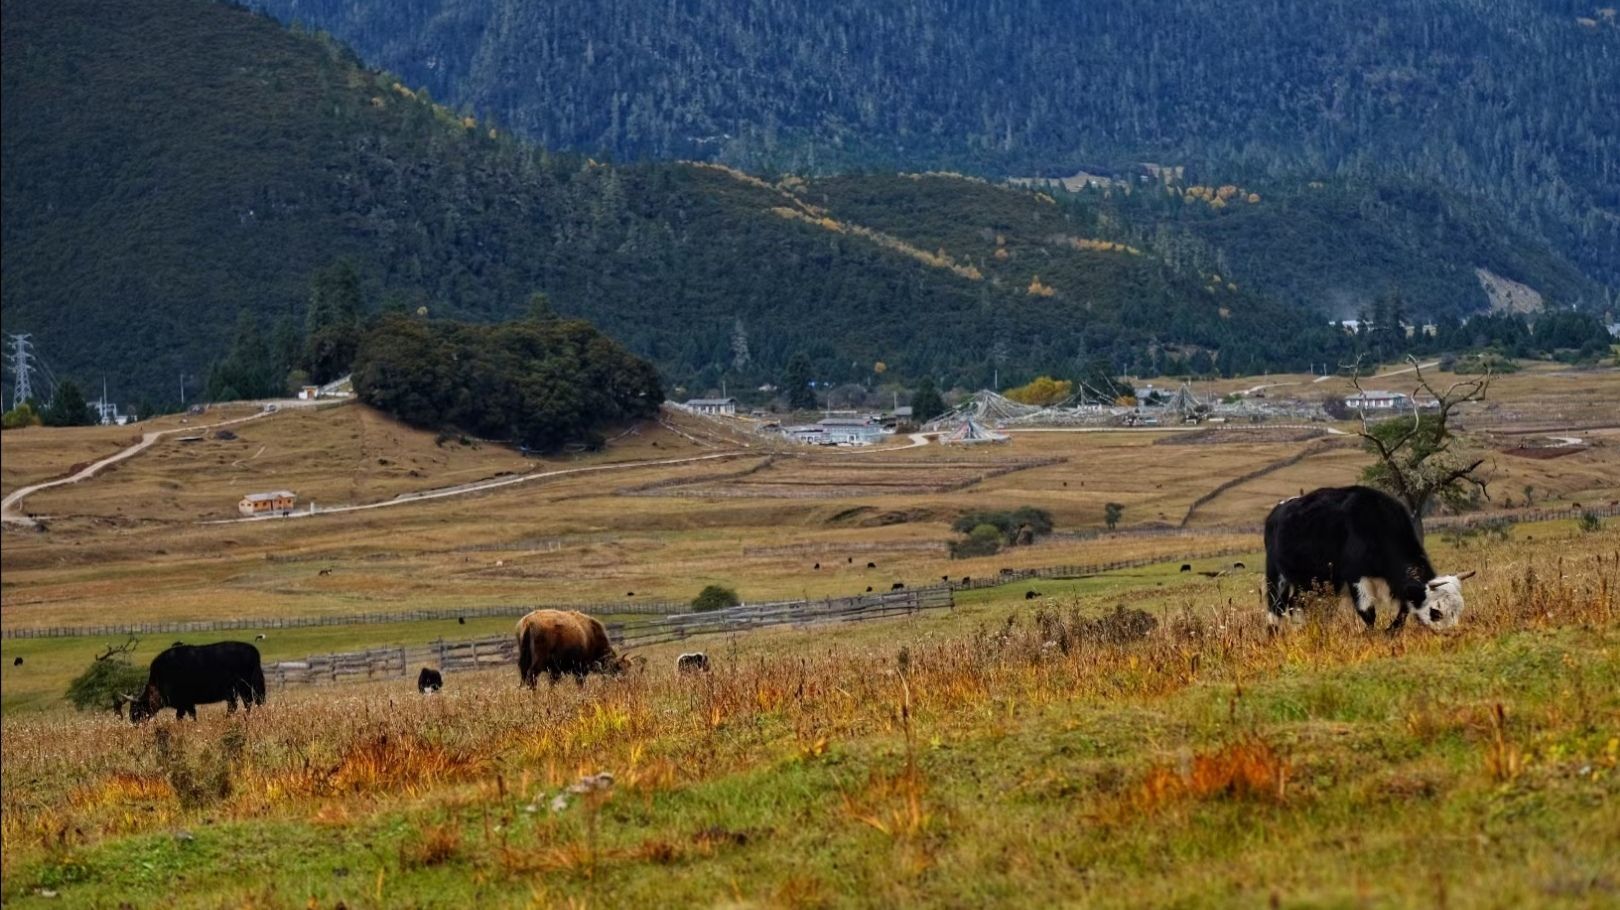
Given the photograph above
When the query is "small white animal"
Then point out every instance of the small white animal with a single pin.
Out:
(696, 662)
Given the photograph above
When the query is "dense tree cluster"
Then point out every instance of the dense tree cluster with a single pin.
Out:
(540, 383)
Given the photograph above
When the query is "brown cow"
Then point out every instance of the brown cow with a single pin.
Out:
(564, 641)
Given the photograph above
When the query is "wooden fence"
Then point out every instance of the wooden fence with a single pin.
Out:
(499, 650)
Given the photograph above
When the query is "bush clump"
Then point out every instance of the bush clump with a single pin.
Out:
(987, 532)
(715, 597)
(109, 677)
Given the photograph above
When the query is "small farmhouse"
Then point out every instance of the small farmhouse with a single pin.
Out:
(724, 407)
(309, 393)
(1372, 400)
(280, 502)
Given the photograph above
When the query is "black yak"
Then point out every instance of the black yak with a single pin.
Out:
(185, 676)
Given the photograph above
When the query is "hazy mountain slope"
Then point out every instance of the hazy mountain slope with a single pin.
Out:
(170, 163)
(1508, 102)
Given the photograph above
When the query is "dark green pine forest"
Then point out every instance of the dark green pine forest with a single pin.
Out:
(1510, 103)
(183, 178)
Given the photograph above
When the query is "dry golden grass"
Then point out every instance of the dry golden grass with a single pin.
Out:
(350, 757)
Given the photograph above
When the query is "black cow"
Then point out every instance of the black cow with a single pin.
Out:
(1359, 543)
(186, 676)
(1031, 595)
(871, 565)
(1186, 567)
(897, 586)
(429, 680)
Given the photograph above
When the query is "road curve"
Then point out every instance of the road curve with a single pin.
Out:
(482, 486)
(9, 515)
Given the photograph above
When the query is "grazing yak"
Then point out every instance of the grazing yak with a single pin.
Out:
(564, 641)
(1362, 544)
(185, 676)
(695, 662)
(429, 680)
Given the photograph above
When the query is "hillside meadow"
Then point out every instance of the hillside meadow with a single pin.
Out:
(1021, 752)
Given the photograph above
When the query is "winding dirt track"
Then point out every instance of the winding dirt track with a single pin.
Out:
(8, 508)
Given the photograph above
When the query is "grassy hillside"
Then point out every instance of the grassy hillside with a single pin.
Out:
(169, 164)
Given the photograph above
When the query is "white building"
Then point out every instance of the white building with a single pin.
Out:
(724, 407)
(853, 431)
(1373, 400)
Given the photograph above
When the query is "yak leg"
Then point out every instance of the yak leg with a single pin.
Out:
(1365, 602)
(1400, 617)
(230, 703)
(556, 674)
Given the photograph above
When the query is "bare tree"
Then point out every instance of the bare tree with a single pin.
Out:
(1416, 460)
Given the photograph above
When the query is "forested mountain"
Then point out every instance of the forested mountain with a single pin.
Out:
(1509, 102)
(175, 172)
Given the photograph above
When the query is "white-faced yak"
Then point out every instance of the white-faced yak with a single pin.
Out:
(1361, 544)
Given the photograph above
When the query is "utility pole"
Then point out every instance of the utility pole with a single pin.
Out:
(23, 370)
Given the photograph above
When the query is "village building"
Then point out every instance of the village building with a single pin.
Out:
(723, 407)
(279, 502)
(854, 431)
(1372, 400)
(309, 393)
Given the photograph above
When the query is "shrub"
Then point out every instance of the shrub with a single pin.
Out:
(1590, 522)
(983, 540)
(107, 678)
(715, 597)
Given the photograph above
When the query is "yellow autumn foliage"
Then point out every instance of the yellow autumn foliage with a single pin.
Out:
(1042, 391)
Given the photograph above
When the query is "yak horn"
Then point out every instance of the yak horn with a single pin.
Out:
(1468, 574)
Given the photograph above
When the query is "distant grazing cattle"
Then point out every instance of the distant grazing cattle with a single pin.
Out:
(1185, 567)
(1006, 571)
(696, 662)
(564, 641)
(967, 579)
(849, 559)
(871, 565)
(817, 567)
(259, 637)
(629, 594)
(429, 680)
(897, 586)
(1031, 595)
(461, 620)
(1239, 565)
(868, 589)
(326, 572)
(1359, 543)
(17, 662)
(185, 676)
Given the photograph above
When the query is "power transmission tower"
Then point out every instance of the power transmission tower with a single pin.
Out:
(21, 368)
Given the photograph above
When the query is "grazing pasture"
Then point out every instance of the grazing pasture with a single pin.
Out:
(1131, 738)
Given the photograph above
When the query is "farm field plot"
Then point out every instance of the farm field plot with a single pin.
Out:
(811, 478)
